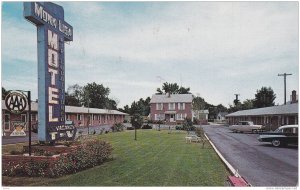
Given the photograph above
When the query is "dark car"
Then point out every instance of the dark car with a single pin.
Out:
(284, 135)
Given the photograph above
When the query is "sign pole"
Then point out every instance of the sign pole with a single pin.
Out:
(29, 118)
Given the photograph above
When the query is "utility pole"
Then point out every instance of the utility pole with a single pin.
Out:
(236, 99)
(237, 96)
(284, 76)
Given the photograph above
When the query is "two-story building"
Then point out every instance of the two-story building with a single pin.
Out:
(171, 108)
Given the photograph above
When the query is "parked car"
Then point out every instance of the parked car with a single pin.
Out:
(246, 126)
(284, 135)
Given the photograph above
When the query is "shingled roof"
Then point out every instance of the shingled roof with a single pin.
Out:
(274, 110)
(75, 109)
(173, 98)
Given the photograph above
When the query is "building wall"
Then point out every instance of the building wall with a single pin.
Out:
(269, 121)
(97, 120)
(187, 111)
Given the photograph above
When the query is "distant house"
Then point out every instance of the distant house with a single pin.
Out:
(221, 116)
(171, 108)
(201, 116)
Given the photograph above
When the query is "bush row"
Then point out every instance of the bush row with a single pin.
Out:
(86, 155)
(117, 127)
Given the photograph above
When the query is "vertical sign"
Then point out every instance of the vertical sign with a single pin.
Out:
(52, 32)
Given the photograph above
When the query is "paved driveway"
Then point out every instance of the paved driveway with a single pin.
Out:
(260, 163)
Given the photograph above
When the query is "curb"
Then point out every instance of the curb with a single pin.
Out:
(228, 165)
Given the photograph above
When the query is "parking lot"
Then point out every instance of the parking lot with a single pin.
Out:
(260, 163)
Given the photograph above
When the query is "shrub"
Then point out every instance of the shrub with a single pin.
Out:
(15, 152)
(151, 121)
(188, 125)
(117, 127)
(196, 121)
(31, 169)
(68, 143)
(178, 127)
(86, 155)
(147, 126)
(89, 154)
(199, 132)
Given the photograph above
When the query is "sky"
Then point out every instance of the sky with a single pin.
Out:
(218, 49)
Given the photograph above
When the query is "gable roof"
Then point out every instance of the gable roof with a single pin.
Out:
(274, 110)
(164, 98)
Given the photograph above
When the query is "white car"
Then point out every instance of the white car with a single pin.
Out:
(246, 126)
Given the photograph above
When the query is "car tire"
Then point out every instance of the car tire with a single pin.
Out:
(276, 143)
(254, 131)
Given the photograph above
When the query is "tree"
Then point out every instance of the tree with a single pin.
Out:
(136, 121)
(247, 104)
(91, 95)
(197, 105)
(96, 96)
(71, 100)
(141, 107)
(75, 92)
(264, 98)
(4, 93)
(183, 90)
(172, 88)
(236, 102)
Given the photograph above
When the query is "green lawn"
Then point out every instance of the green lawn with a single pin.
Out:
(155, 159)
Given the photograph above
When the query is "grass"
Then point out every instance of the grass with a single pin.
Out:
(155, 159)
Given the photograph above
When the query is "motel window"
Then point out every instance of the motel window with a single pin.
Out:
(180, 116)
(94, 117)
(33, 117)
(68, 117)
(159, 117)
(159, 106)
(171, 106)
(23, 118)
(79, 117)
(181, 106)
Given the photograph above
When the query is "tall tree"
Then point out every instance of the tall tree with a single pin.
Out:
(172, 88)
(247, 104)
(74, 95)
(264, 97)
(4, 93)
(91, 95)
(141, 107)
(71, 100)
(96, 96)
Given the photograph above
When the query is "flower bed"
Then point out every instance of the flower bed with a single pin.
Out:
(76, 158)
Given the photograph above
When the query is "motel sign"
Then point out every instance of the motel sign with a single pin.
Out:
(52, 32)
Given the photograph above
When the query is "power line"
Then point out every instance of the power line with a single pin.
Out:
(284, 76)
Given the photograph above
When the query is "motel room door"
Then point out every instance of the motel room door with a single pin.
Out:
(172, 117)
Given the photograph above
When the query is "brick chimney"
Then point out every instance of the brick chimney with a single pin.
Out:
(294, 98)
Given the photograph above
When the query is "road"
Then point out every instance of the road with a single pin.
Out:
(259, 163)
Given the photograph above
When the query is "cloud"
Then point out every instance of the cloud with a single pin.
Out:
(199, 44)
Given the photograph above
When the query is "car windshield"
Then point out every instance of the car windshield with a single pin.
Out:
(278, 130)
